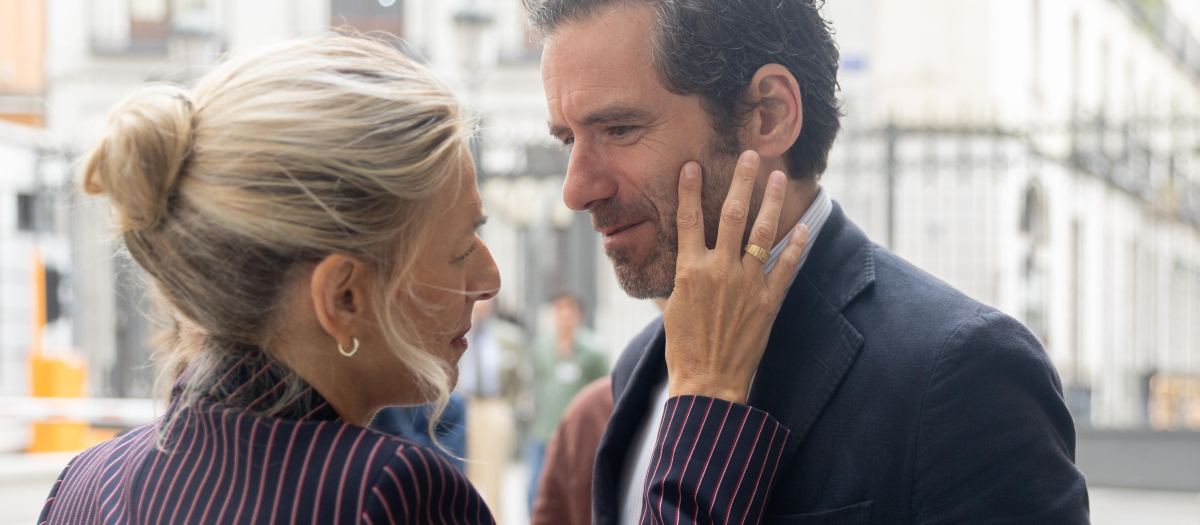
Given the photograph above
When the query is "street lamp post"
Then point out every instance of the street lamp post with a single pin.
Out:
(470, 22)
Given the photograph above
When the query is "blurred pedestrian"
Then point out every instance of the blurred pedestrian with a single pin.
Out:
(490, 376)
(563, 365)
(565, 493)
(564, 496)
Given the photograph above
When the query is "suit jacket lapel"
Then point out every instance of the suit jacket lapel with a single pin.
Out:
(629, 409)
(812, 346)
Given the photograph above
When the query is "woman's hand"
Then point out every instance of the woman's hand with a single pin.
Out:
(720, 315)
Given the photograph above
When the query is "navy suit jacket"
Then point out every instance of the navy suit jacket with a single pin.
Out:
(907, 402)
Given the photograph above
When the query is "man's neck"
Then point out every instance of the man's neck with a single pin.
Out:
(796, 202)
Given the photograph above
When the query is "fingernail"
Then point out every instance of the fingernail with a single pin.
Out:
(691, 170)
(749, 158)
(778, 179)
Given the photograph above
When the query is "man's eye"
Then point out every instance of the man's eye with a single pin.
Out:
(621, 131)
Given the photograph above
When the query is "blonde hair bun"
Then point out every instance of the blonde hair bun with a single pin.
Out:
(275, 160)
(139, 161)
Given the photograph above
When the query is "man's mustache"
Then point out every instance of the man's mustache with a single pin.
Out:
(613, 213)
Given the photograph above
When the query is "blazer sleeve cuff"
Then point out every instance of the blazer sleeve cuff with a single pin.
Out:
(714, 459)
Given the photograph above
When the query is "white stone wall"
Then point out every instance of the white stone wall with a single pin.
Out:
(936, 64)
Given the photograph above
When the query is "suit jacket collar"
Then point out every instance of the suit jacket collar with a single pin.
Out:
(812, 346)
(629, 408)
(810, 350)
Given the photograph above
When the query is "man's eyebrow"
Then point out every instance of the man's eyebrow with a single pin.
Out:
(606, 115)
(614, 114)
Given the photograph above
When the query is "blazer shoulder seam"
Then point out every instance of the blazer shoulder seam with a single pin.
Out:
(976, 315)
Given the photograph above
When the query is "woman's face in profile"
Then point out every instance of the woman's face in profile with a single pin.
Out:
(453, 270)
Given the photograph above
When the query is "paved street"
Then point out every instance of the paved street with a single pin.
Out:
(1130, 507)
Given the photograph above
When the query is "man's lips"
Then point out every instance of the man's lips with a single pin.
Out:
(618, 229)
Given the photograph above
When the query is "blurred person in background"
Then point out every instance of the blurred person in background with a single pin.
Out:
(308, 214)
(449, 437)
(564, 495)
(491, 375)
(563, 365)
(913, 402)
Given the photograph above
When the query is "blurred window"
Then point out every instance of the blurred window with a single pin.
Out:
(1033, 217)
(369, 15)
(33, 213)
(130, 26)
(1033, 223)
(25, 212)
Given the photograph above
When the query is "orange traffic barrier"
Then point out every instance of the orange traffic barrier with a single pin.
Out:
(60, 376)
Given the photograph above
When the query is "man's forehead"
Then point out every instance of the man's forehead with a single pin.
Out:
(599, 60)
(622, 29)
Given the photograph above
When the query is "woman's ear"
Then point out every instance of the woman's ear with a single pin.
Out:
(338, 287)
(778, 112)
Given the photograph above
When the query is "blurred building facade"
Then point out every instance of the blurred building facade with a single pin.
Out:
(1039, 155)
(1042, 157)
(34, 232)
(22, 73)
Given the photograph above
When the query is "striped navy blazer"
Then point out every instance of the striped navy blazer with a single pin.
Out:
(211, 462)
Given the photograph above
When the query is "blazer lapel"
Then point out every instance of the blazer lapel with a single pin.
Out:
(812, 346)
(629, 409)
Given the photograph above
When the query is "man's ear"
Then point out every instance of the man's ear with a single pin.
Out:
(338, 287)
(778, 111)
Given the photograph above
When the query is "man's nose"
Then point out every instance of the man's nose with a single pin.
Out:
(587, 181)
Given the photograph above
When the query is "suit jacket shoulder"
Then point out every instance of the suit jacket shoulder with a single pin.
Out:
(418, 485)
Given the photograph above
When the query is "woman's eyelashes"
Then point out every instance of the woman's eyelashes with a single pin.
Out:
(464, 256)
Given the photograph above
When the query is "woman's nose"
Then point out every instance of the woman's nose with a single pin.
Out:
(487, 282)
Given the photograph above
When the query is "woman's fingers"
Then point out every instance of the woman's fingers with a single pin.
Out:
(689, 218)
(737, 206)
(785, 266)
(763, 233)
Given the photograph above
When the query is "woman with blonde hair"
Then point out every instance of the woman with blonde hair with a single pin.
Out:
(308, 214)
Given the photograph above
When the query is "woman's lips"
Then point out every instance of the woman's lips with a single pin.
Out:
(460, 341)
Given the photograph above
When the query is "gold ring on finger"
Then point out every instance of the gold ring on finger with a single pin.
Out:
(758, 252)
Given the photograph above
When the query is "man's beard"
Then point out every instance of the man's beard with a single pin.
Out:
(654, 276)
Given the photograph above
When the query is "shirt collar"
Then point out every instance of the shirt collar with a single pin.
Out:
(815, 219)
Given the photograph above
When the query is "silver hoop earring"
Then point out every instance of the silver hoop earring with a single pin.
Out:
(351, 352)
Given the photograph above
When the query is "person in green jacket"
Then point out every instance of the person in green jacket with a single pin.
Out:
(563, 365)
